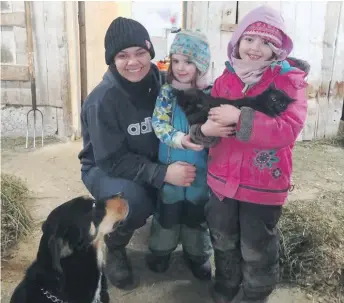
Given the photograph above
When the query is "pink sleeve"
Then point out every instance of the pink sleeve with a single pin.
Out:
(215, 90)
(262, 131)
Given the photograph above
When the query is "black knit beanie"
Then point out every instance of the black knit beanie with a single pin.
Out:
(123, 33)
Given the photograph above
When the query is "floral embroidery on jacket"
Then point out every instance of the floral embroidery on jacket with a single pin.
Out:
(265, 158)
(276, 173)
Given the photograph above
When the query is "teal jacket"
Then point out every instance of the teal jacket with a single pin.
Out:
(170, 125)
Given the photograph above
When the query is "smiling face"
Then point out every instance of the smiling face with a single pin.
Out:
(254, 48)
(183, 69)
(133, 63)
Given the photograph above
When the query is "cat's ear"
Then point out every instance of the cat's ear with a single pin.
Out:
(272, 86)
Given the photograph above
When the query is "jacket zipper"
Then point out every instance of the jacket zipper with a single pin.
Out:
(217, 178)
(250, 187)
(169, 147)
(265, 190)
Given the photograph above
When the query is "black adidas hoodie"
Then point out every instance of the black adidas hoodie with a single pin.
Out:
(117, 131)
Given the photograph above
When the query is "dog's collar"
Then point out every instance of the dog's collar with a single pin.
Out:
(51, 297)
(55, 299)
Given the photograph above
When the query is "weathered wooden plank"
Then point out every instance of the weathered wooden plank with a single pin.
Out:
(314, 54)
(8, 47)
(74, 66)
(331, 20)
(228, 27)
(55, 47)
(83, 50)
(336, 94)
(14, 72)
(229, 16)
(40, 53)
(315, 41)
(189, 14)
(322, 118)
(50, 49)
(62, 47)
(13, 19)
(199, 16)
(15, 93)
(246, 6)
(101, 13)
(21, 45)
(6, 6)
(301, 37)
(15, 84)
(288, 10)
(308, 132)
(18, 6)
(214, 36)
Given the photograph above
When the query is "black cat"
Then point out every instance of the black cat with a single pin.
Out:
(196, 104)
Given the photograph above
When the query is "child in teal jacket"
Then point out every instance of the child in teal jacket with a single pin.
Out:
(180, 211)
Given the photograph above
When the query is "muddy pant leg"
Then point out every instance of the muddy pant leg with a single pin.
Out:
(223, 222)
(141, 202)
(165, 230)
(196, 242)
(195, 235)
(194, 232)
(163, 241)
(260, 250)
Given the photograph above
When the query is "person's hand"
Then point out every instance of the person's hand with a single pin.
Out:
(188, 144)
(225, 114)
(180, 174)
(214, 129)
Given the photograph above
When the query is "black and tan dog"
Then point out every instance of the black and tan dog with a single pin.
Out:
(69, 264)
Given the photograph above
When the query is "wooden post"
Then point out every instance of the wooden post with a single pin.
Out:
(30, 53)
(83, 50)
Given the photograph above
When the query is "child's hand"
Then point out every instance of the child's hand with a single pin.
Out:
(180, 174)
(225, 114)
(187, 144)
(214, 129)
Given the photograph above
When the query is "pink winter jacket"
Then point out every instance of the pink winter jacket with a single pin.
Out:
(256, 165)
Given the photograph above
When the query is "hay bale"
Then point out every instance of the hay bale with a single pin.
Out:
(15, 218)
(312, 246)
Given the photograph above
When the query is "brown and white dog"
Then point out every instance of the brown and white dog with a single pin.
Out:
(70, 258)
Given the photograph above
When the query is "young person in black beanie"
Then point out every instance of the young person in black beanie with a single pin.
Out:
(119, 145)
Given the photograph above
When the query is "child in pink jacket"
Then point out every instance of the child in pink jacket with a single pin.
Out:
(249, 169)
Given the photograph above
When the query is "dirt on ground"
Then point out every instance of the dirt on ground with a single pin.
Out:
(53, 175)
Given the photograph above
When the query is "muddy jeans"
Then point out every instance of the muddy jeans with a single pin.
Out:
(246, 247)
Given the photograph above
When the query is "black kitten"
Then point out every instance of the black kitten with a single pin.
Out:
(196, 104)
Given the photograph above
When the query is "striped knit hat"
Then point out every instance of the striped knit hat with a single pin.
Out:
(265, 31)
(194, 45)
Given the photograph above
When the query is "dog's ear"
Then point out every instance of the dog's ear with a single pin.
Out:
(50, 248)
(55, 247)
(43, 227)
(74, 237)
